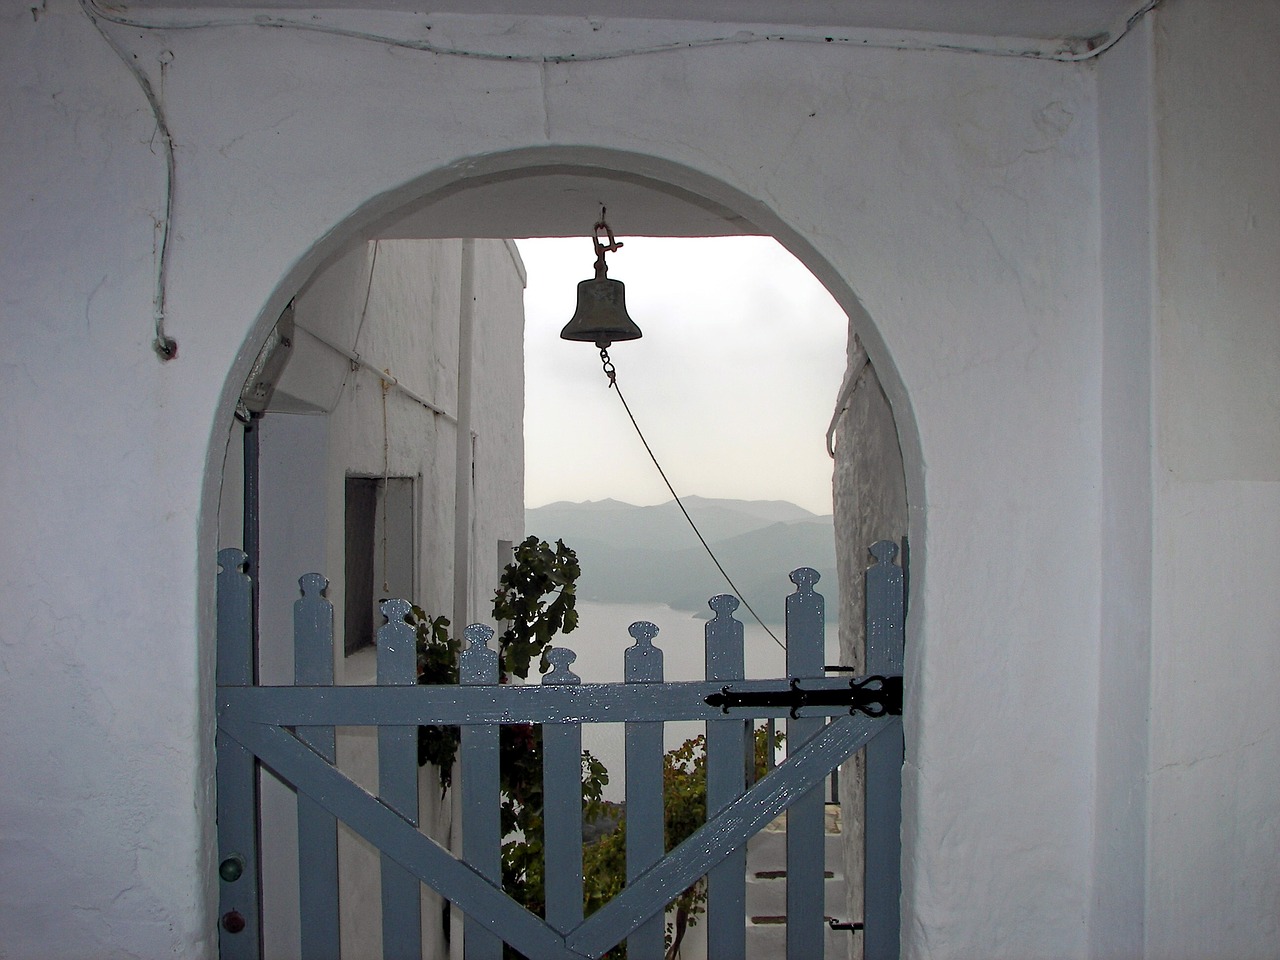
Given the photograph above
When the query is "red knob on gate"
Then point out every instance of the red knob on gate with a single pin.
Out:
(233, 921)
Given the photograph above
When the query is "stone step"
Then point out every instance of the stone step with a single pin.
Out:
(767, 850)
(769, 942)
(766, 894)
(767, 897)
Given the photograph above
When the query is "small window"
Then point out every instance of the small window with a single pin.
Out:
(379, 552)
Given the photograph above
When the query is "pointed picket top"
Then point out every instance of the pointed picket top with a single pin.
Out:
(642, 661)
(477, 663)
(397, 644)
(806, 615)
(723, 635)
(313, 585)
(885, 551)
(724, 604)
(805, 578)
(232, 559)
(561, 658)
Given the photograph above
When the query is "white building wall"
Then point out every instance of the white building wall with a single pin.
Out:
(396, 305)
(957, 195)
(1124, 662)
(1214, 802)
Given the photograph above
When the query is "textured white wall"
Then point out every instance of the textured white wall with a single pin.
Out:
(106, 821)
(1124, 663)
(1214, 814)
(954, 193)
(957, 195)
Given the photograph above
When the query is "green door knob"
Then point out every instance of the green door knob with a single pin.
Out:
(231, 868)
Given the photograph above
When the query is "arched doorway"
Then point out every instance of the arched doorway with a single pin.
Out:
(532, 193)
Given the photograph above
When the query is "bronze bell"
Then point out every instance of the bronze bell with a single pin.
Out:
(601, 317)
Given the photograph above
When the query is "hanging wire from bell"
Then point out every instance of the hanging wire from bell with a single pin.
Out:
(601, 316)
(612, 373)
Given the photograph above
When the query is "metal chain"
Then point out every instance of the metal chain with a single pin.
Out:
(609, 370)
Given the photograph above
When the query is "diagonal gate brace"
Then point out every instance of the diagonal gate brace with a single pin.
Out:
(643, 898)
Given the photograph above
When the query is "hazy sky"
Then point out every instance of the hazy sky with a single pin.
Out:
(733, 383)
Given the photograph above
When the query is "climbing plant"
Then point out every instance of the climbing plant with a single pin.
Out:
(536, 597)
(437, 663)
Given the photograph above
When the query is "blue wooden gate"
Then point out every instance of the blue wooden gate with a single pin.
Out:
(291, 731)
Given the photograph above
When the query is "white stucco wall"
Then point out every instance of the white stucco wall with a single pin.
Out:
(958, 196)
(1214, 803)
(1124, 662)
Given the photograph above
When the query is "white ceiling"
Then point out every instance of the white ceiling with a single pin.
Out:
(556, 202)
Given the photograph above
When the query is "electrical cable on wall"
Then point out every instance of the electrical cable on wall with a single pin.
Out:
(165, 346)
(1064, 50)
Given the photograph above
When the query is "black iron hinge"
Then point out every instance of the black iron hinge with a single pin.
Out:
(874, 696)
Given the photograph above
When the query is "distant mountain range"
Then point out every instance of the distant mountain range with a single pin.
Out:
(633, 554)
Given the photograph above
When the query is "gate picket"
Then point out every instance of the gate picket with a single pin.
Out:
(806, 828)
(317, 827)
(478, 765)
(644, 804)
(562, 806)
(398, 786)
(726, 743)
(239, 936)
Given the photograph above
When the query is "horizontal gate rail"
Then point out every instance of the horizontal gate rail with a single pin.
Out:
(512, 703)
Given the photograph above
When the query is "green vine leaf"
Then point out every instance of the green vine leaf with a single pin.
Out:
(537, 598)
